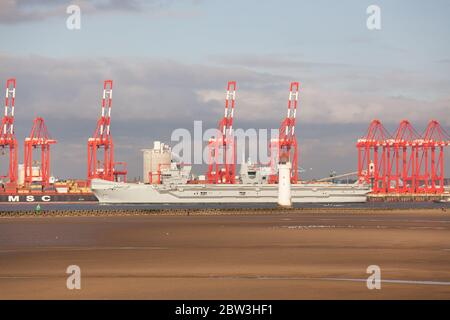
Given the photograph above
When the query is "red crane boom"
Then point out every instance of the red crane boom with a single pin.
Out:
(102, 140)
(222, 153)
(285, 149)
(7, 137)
(38, 138)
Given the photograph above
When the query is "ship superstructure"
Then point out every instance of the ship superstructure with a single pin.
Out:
(175, 183)
(170, 181)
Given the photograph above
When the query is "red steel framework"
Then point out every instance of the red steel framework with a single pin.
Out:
(373, 152)
(102, 140)
(38, 138)
(285, 148)
(8, 139)
(405, 163)
(401, 165)
(222, 148)
(430, 164)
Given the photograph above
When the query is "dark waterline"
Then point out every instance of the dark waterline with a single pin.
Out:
(96, 206)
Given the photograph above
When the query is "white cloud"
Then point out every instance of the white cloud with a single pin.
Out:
(22, 11)
(152, 97)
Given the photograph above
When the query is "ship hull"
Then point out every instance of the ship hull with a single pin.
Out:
(48, 198)
(124, 193)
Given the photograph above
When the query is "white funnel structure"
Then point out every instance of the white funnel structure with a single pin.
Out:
(284, 184)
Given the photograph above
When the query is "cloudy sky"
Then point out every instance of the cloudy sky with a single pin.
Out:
(170, 61)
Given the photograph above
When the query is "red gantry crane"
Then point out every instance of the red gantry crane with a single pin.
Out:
(285, 149)
(430, 163)
(222, 153)
(401, 175)
(8, 139)
(407, 163)
(102, 140)
(38, 138)
(373, 156)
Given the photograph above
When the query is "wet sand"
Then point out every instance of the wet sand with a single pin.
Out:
(297, 254)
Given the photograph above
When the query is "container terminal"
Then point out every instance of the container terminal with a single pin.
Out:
(404, 166)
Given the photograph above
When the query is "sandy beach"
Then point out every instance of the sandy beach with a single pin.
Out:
(254, 254)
